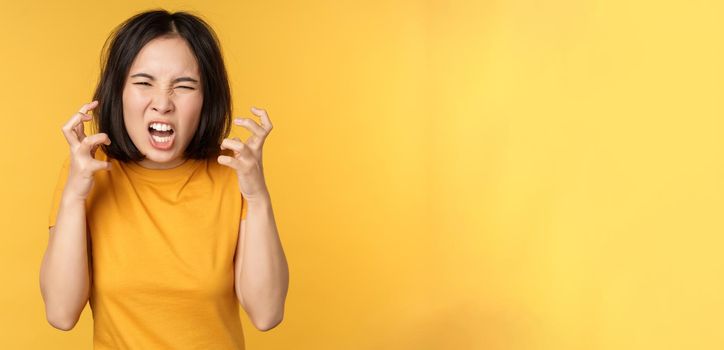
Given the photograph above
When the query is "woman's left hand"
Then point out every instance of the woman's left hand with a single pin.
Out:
(247, 156)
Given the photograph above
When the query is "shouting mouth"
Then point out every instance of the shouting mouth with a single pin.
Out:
(161, 135)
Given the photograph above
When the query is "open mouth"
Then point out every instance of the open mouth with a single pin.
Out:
(162, 135)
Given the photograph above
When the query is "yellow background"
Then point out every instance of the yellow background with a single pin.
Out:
(444, 174)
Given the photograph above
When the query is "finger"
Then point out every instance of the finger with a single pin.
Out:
(79, 129)
(93, 140)
(69, 128)
(231, 162)
(88, 106)
(252, 126)
(97, 165)
(265, 121)
(95, 147)
(233, 144)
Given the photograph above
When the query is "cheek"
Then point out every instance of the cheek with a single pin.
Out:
(193, 102)
(192, 112)
(133, 100)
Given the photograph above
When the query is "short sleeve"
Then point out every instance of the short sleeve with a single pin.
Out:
(58, 192)
(243, 208)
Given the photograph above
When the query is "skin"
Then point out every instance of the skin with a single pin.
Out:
(146, 98)
(65, 276)
(260, 267)
(261, 271)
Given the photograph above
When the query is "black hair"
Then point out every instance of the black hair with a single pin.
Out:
(119, 52)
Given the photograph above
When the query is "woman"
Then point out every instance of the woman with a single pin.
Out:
(159, 221)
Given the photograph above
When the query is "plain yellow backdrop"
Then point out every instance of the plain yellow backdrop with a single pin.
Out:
(510, 174)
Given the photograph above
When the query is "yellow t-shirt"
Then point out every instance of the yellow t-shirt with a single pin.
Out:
(162, 255)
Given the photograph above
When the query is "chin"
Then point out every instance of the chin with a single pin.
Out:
(161, 157)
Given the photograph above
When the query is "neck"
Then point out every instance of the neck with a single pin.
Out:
(149, 164)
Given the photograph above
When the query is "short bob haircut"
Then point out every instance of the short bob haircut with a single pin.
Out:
(119, 51)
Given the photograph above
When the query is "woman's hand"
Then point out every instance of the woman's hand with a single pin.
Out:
(247, 156)
(82, 152)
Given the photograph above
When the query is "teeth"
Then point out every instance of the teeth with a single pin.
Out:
(160, 126)
(161, 139)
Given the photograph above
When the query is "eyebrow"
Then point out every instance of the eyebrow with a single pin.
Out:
(179, 79)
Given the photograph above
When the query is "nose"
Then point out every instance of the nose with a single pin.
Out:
(162, 102)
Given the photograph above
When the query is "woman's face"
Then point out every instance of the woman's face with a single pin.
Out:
(162, 101)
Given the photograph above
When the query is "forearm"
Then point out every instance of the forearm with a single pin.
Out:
(64, 273)
(264, 276)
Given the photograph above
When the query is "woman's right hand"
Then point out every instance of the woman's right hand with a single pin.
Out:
(82, 153)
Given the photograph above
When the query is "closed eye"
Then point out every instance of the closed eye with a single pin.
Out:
(147, 84)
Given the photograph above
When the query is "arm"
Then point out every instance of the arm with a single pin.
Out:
(261, 271)
(65, 276)
(64, 273)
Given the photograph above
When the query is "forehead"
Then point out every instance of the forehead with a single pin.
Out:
(165, 57)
